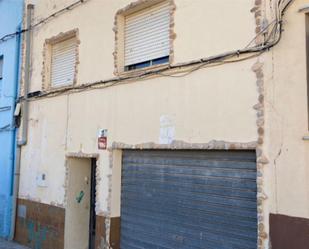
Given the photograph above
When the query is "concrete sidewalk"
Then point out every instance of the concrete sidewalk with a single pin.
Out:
(10, 245)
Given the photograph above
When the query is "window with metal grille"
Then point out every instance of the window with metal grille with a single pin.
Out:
(147, 37)
(63, 62)
(1, 67)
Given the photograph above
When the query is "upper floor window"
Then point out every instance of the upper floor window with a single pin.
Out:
(1, 67)
(63, 62)
(60, 60)
(147, 37)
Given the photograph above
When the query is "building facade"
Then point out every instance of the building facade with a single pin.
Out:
(165, 124)
(10, 22)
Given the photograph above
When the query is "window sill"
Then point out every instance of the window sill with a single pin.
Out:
(306, 137)
(51, 88)
(137, 72)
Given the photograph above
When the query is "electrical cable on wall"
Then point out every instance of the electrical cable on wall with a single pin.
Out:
(183, 69)
(43, 21)
(272, 31)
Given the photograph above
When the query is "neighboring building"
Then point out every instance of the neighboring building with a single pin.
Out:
(139, 138)
(10, 22)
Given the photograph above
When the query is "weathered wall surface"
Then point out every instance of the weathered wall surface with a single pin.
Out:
(96, 55)
(39, 225)
(10, 21)
(287, 174)
(287, 117)
(70, 123)
(210, 104)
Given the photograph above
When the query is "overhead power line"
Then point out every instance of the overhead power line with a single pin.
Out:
(272, 33)
(43, 21)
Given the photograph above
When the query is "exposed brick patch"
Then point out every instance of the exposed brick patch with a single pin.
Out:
(23, 54)
(181, 145)
(262, 160)
(82, 155)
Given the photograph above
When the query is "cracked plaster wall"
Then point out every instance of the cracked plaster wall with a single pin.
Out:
(287, 118)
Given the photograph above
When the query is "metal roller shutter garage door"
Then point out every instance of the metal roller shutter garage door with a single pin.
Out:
(189, 199)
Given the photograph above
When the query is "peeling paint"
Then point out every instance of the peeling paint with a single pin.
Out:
(46, 64)
(41, 227)
(36, 234)
(262, 160)
(212, 145)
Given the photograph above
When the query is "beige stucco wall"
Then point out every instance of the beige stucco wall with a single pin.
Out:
(210, 104)
(69, 124)
(97, 36)
(287, 118)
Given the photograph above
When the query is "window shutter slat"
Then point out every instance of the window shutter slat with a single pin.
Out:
(147, 34)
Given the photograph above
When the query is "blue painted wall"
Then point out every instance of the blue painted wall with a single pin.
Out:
(10, 21)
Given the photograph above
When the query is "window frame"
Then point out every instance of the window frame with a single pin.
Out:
(62, 84)
(119, 54)
(147, 64)
(47, 59)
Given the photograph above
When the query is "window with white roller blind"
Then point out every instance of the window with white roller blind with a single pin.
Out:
(146, 37)
(63, 62)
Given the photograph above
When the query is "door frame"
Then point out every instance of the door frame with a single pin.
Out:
(92, 213)
(92, 216)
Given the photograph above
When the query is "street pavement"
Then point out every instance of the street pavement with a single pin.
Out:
(10, 245)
